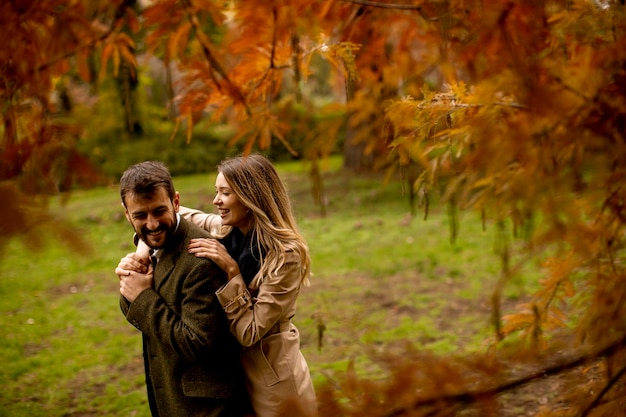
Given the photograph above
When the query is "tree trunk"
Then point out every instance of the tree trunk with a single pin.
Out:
(354, 157)
(127, 83)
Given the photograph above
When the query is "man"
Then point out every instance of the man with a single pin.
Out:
(191, 360)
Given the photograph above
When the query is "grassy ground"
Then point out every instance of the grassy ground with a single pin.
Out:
(380, 279)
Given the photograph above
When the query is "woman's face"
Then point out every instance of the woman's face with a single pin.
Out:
(232, 212)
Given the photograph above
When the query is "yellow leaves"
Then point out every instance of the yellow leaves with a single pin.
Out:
(457, 89)
(340, 55)
(548, 308)
(412, 122)
(117, 47)
(401, 114)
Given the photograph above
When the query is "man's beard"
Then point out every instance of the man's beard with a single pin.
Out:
(159, 241)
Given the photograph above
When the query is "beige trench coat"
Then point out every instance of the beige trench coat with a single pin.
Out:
(278, 377)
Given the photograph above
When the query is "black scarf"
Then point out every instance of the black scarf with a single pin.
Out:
(243, 250)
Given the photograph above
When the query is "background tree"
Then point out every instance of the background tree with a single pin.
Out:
(515, 109)
(530, 133)
(126, 71)
(44, 41)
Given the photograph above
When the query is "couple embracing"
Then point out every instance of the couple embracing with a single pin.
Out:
(214, 294)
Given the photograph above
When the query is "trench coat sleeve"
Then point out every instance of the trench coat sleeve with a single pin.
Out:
(190, 331)
(207, 221)
(251, 319)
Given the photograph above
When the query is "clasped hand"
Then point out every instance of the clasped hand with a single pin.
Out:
(136, 275)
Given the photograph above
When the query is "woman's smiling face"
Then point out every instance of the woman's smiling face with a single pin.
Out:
(231, 210)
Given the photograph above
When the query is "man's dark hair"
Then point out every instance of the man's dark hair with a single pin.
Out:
(144, 179)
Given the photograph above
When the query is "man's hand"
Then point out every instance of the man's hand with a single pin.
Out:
(135, 274)
(135, 283)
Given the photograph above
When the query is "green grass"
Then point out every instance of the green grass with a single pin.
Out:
(380, 279)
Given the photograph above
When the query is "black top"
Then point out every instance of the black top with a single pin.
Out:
(243, 250)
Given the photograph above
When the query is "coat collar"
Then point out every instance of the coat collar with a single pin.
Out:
(168, 255)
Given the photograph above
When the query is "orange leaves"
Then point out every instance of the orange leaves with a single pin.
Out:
(44, 41)
(27, 45)
(176, 43)
(184, 24)
(116, 48)
(166, 20)
(50, 37)
(213, 9)
(263, 48)
(171, 24)
(260, 130)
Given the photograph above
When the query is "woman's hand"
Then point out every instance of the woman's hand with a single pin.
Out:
(133, 262)
(214, 250)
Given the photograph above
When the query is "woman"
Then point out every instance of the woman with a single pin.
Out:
(267, 263)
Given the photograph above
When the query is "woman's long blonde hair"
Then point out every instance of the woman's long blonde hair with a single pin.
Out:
(256, 184)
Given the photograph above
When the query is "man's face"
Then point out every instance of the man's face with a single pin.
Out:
(154, 217)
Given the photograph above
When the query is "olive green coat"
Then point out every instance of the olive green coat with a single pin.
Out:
(192, 361)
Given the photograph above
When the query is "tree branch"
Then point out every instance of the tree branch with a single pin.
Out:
(472, 396)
